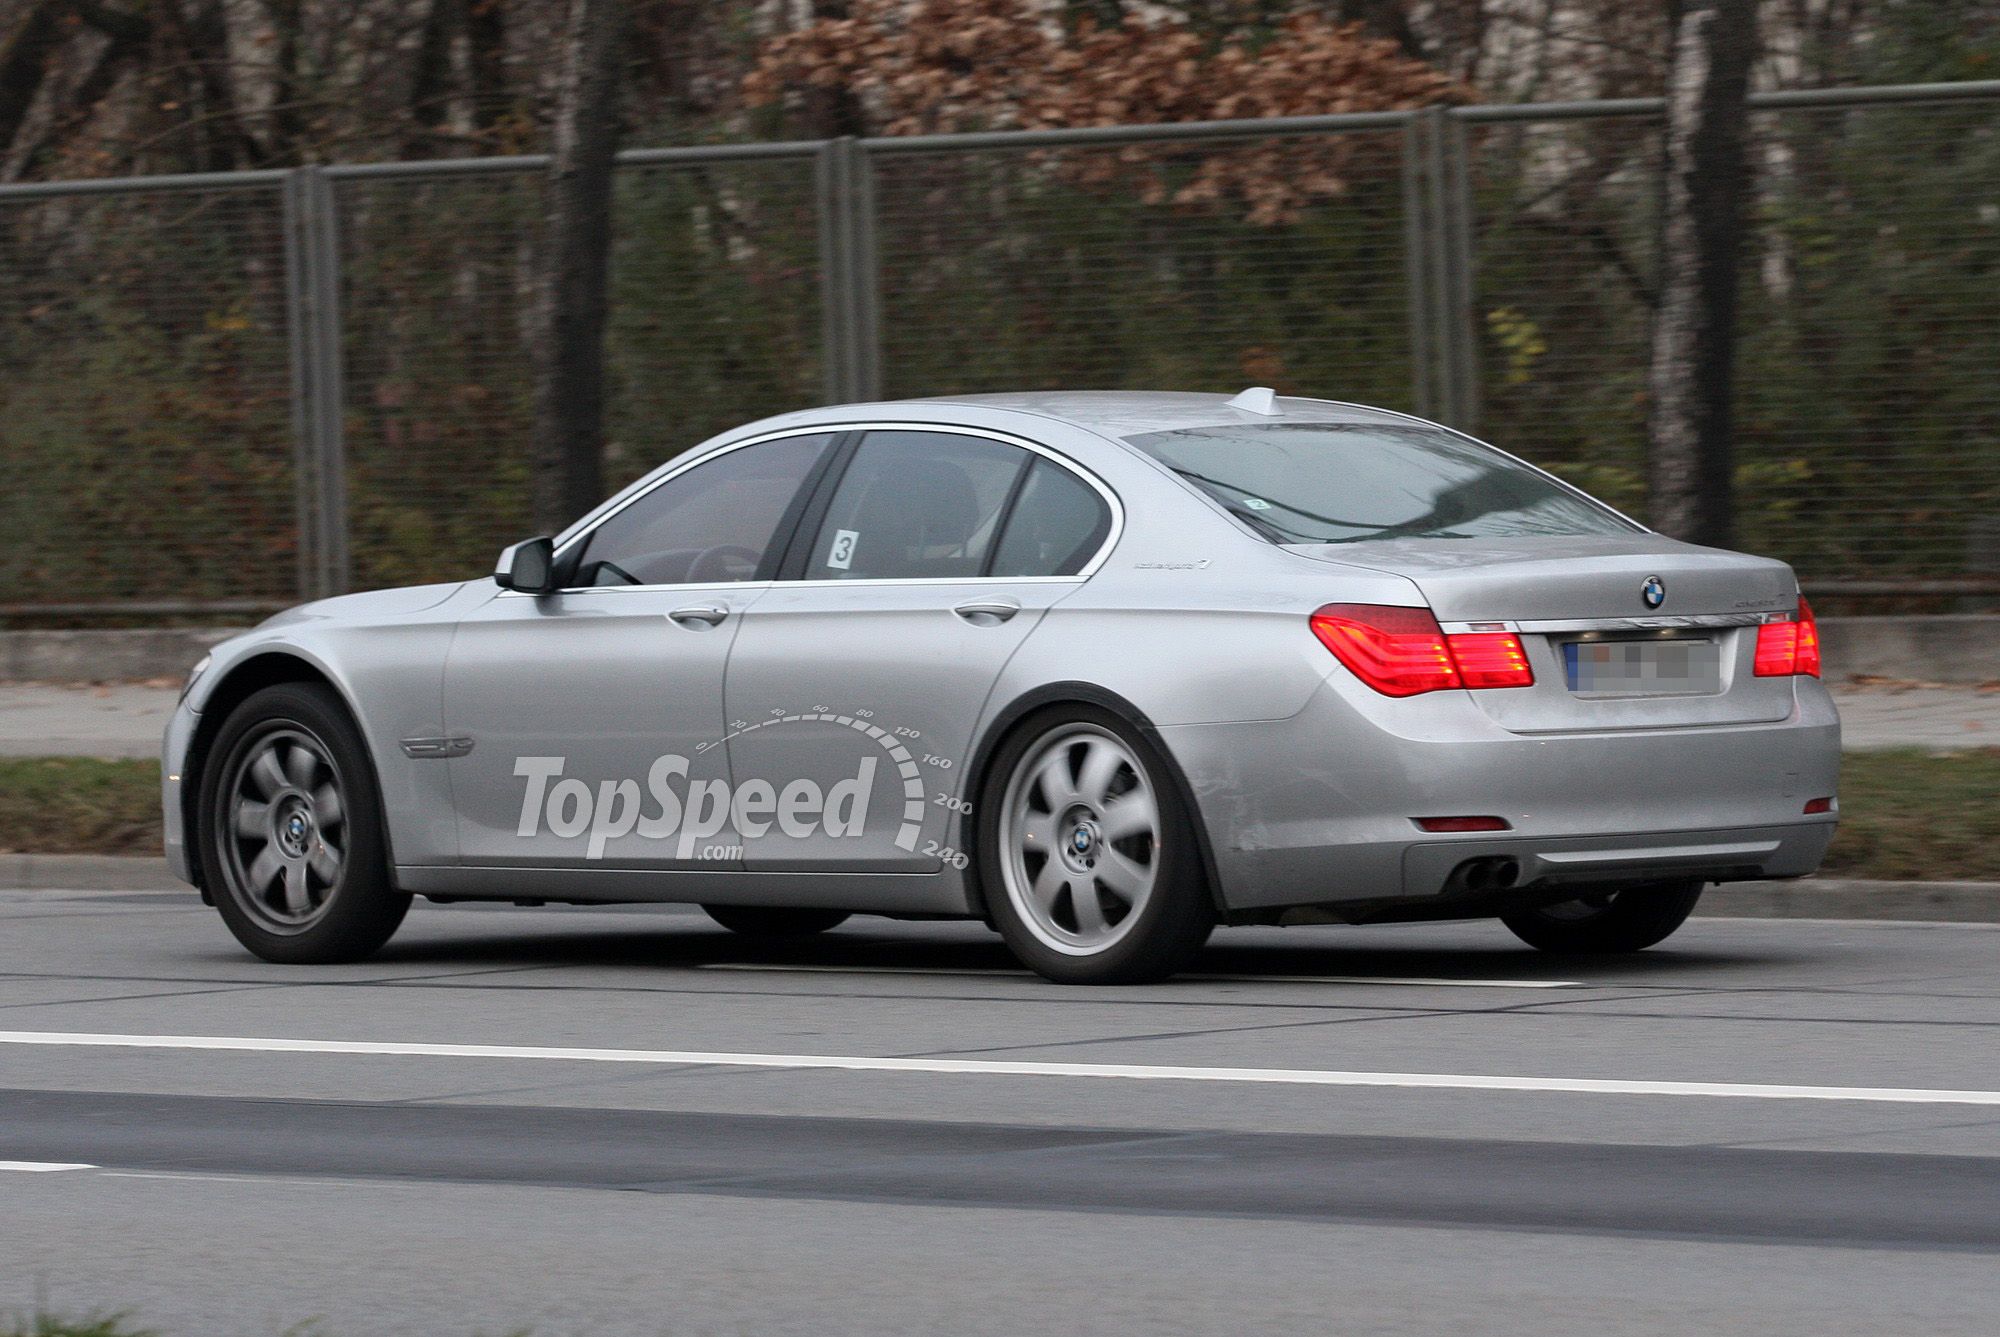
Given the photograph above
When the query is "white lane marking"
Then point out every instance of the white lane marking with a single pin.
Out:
(775, 968)
(43, 1167)
(1596, 1086)
(1413, 980)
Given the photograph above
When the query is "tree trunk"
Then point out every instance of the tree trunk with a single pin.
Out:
(1694, 330)
(575, 269)
(24, 64)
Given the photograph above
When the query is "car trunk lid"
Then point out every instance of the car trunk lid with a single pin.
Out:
(1606, 655)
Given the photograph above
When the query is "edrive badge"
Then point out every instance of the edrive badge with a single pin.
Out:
(1654, 591)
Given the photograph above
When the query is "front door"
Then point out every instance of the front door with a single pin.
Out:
(591, 720)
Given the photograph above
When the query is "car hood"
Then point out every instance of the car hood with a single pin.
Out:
(369, 604)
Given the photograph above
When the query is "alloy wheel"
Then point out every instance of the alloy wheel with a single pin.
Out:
(282, 828)
(1080, 840)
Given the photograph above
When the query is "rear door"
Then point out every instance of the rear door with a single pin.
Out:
(855, 684)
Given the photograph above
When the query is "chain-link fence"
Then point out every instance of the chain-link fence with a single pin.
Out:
(145, 395)
(248, 389)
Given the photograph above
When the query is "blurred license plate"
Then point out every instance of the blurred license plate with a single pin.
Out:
(1677, 667)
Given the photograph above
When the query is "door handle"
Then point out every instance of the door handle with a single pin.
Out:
(987, 612)
(705, 614)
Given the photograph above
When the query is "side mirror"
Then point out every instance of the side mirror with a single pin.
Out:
(528, 566)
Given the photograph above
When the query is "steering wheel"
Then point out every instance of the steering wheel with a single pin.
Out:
(725, 561)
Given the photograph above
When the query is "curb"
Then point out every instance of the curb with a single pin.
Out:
(1805, 898)
(1854, 898)
(85, 872)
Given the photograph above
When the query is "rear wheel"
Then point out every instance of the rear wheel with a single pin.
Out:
(773, 921)
(1611, 919)
(1087, 854)
(290, 831)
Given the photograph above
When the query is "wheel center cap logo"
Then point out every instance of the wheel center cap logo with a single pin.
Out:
(1654, 591)
(1083, 838)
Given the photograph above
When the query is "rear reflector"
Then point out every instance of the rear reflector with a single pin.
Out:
(1814, 805)
(1403, 652)
(1790, 648)
(1461, 823)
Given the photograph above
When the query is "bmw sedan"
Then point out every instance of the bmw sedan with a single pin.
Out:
(1103, 670)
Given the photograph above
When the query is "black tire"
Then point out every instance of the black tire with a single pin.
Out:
(1050, 935)
(350, 903)
(1615, 919)
(774, 921)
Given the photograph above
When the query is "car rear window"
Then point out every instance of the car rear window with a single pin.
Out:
(1350, 482)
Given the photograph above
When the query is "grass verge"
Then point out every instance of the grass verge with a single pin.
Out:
(45, 1325)
(1905, 815)
(1914, 815)
(79, 805)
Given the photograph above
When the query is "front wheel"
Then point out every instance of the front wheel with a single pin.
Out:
(1087, 854)
(1612, 919)
(290, 832)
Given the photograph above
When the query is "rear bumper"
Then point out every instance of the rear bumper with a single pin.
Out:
(1318, 809)
(1736, 855)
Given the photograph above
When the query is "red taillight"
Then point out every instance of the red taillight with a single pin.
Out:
(1808, 640)
(1403, 652)
(1789, 648)
(1461, 823)
(1817, 805)
(1491, 659)
(1397, 651)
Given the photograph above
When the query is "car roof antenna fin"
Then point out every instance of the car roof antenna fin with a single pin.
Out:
(1258, 399)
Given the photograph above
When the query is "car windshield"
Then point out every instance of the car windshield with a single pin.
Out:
(1348, 482)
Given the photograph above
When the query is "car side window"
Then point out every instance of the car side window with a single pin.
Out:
(715, 522)
(916, 505)
(1058, 524)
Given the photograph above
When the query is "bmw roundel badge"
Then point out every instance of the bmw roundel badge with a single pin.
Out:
(1654, 591)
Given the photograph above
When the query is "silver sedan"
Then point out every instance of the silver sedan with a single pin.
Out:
(1104, 670)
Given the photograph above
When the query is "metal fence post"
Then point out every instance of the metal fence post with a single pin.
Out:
(830, 211)
(1416, 264)
(843, 181)
(1448, 265)
(312, 287)
(327, 369)
(298, 325)
(1458, 296)
(866, 276)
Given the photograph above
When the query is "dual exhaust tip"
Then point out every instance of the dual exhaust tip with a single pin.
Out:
(1481, 875)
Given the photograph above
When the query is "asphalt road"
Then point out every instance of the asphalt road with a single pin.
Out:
(630, 1122)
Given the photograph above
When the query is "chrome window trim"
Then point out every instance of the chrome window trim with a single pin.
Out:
(590, 523)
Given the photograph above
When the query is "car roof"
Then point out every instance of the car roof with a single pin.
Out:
(1125, 413)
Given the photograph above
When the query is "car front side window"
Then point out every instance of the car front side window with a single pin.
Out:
(716, 522)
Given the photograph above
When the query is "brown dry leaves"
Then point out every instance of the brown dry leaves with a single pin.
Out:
(928, 66)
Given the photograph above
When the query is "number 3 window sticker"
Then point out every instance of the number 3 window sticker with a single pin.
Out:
(842, 555)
